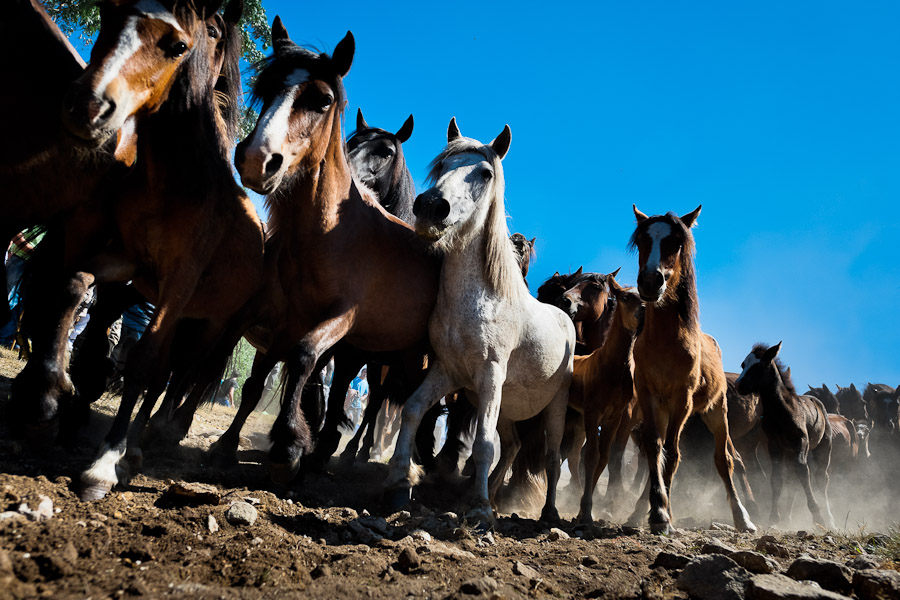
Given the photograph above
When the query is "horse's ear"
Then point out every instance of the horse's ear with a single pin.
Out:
(690, 219)
(556, 274)
(614, 273)
(839, 388)
(233, 11)
(578, 272)
(788, 372)
(360, 120)
(770, 354)
(638, 214)
(532, 241)
(852, 387)
(342, 57)
(501, 143)
(280, 38)
(453, 130)
(611, 280)
(404, 132)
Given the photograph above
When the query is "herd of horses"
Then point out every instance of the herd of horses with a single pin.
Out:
(126, 162)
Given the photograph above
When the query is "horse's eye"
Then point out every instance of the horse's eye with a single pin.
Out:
(176, 49)
(487, 174)
(325, 101)
(212, 32)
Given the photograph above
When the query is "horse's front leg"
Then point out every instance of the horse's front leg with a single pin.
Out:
(290, 434)
(555, 419)
(402, 475)
(489, 390)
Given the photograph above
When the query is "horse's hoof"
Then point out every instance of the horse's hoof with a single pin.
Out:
(482, 517)
(94, 491)
(397, 498)
(550, 515)
(221, 458)
(664, 528)
(584, 519)
(284, 473)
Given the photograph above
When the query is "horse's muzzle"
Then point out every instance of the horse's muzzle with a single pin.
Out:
(87, 116)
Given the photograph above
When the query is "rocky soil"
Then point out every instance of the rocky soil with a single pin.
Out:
(185, 530)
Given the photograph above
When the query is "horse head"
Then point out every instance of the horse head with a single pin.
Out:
(466, 182)
(665, 249)
(524, 250)
(588, 297)
(628, 304)
(142, 47)
(759, 369)
(376, 157)
(302, 98)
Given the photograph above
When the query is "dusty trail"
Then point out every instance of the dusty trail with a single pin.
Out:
(146, 540)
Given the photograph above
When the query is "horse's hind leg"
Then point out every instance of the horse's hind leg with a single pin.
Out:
(822, 460)
(596, 458)
(716, 420)
(742, 477)
(509, 448)
(555, 420)
(223, 452)
(347, 363)
(615, 488)
(402, 475)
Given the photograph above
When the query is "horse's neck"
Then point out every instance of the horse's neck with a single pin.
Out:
(667, 322)
(594, 332)
(462, 268)
(775, 396)
(317, 199)
(403, 195)
(619, 342)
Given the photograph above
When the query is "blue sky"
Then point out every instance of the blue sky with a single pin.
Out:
(780, 118)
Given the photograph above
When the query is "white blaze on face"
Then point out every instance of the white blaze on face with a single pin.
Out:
(129, 43)
(657, 232)
(272, 129)
(748, 362)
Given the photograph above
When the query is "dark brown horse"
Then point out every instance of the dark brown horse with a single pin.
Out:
(678, 368)
(796, 428)
(43, 171)
(324, 223)
(183, 231)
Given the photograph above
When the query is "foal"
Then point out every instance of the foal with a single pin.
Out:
(512, 354)
(795, 427)
(677, 368)
(603, 386)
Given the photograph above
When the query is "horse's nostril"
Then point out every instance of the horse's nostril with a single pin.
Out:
(108, 111)
(441, 209)
(273, 165)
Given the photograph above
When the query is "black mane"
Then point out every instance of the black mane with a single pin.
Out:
(398, 193)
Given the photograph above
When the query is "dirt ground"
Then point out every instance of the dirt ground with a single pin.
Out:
(318, 540)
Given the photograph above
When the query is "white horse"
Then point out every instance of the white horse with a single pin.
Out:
(512, 354)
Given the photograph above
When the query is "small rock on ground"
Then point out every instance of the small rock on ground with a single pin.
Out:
(212, 524)
(524, 570)
(829, 574)
(241, 513)
(873, 584)
(670, 560)
(717, 547)
(479, 585)
(770, 545)
(755, 562)
(714, 577)
(557, 534)
(409, 559)
(781, 587)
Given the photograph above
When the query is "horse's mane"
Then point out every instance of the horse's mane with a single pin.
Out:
(228, 87)
(685, 293)
(758, 349)
(501, 271)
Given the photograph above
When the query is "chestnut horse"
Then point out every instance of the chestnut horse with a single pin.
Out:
(346, 268)
(184, 232)
(603, 388)
(796, 428)
(677, 368)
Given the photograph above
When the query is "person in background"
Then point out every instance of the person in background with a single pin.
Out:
(225, 395)
(19, 251)
(357, 396)
(135, 320)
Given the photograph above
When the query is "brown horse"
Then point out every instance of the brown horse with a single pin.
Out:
(796, 428)
(184, 232)
(603, 388)
(678, 369)
(43, 172)
(324, 224)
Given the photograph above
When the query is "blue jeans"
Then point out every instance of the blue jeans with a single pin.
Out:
(15, 267)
